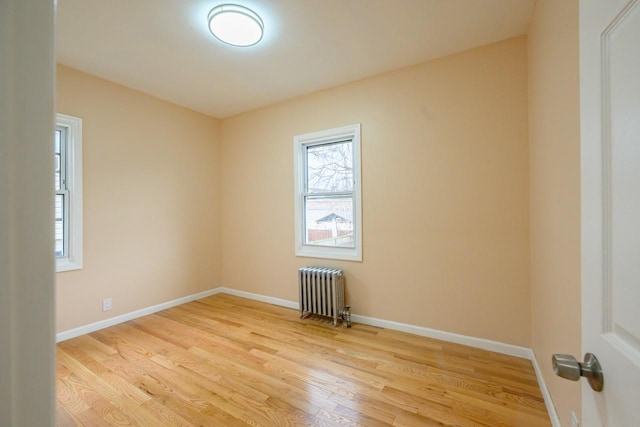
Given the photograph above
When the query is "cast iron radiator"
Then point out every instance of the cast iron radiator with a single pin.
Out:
(322, 293)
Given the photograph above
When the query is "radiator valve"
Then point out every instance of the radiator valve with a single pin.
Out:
(346, 316)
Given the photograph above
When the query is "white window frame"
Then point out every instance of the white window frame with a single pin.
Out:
(73, 213)
(300, 142)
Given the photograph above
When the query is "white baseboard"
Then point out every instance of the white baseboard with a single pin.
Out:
(262, 298)
(92, 327)
(481, 343)
(553, 414)
(498, 347)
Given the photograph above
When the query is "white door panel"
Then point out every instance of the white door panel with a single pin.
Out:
(610, 133)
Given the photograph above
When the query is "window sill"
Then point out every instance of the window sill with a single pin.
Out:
(345, 254)
(65, 264)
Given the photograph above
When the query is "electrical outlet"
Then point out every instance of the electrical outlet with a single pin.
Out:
(574, 420)
(106, 304)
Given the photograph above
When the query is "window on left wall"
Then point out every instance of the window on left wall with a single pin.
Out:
(67, 142)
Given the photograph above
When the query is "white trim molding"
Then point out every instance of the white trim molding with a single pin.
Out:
(481, 343)
(262, 298)
(27, 284)
(301, 193)
(551, 409)
(73, 158)
(96, 326)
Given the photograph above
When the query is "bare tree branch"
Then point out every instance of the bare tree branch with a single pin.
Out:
(330, 167)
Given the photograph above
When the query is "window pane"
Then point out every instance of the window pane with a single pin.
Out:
(57, 159)
(329, 221)
(59, 225)
(330, 167)
(56, 141)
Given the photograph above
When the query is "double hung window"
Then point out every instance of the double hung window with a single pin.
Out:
(327, 194)
(67, 142)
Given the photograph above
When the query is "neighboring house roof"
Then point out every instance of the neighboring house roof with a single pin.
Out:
(333, 217)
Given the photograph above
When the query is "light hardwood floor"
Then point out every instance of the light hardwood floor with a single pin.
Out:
(228, 361)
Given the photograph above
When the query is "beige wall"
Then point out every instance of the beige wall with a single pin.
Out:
(151, 201)
(445, 194)
(554, 150)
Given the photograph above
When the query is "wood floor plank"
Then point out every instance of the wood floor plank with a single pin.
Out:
(228, 361)
(63, 417)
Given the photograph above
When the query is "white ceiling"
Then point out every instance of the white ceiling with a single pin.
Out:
(164, 48)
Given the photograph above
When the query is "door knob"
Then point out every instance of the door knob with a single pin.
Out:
(566, 366)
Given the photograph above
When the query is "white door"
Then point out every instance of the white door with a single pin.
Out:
(610, 134)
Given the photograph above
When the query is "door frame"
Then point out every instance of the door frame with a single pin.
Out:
(27, 282)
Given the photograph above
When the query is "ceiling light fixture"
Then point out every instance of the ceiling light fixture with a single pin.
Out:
(235, 25)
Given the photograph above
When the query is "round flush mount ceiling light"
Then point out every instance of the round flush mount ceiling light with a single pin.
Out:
(235, 25)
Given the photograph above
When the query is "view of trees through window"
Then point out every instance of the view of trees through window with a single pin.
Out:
(329, 200)
(59, 206)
